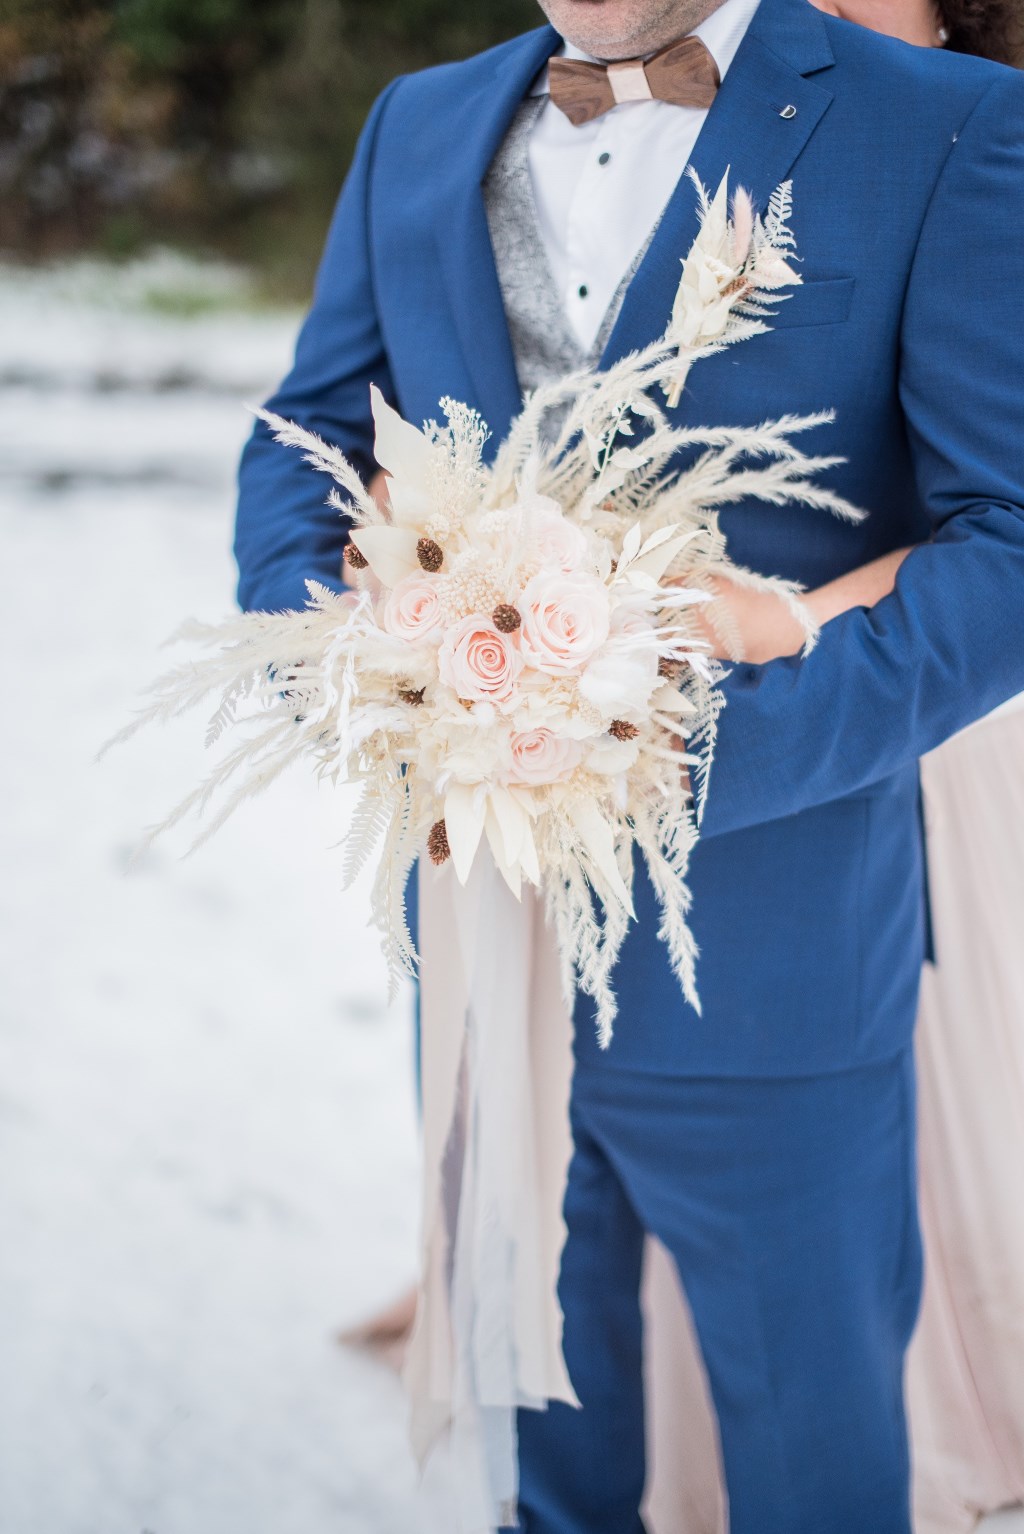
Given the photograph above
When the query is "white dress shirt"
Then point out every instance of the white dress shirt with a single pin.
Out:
(601, 188)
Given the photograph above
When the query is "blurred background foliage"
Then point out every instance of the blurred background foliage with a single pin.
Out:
(212, 125)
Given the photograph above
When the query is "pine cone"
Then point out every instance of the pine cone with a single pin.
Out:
(623, 730)
(356, 560)
(430, 555)
(437, 844)
(506, 618)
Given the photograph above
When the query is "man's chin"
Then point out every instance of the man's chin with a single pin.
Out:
(608, 29)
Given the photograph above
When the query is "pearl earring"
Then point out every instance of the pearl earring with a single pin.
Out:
(943, 36)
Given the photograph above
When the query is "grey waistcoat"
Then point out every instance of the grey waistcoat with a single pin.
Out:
(543, 343)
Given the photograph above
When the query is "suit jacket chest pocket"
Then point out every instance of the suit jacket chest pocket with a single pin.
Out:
(825, 301)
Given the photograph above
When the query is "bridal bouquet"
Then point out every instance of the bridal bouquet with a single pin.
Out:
(518, 662)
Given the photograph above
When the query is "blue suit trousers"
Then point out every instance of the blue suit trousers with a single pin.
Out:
(789, 1206)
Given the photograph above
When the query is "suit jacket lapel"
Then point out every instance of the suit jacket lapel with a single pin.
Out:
(478, 126)
(745, 133)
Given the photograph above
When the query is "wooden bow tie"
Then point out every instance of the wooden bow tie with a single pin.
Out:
(684, 73)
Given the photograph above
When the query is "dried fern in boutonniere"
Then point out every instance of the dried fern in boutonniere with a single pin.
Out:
(519, 660)
(733, 273)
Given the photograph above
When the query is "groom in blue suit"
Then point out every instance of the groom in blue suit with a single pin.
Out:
(769, 1142)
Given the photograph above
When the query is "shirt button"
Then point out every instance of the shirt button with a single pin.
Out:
(603, 159)
(583, 290)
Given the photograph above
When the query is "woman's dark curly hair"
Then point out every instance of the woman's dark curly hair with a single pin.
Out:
(992, 28)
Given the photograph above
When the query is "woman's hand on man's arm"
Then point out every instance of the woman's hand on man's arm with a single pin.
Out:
(762, 628)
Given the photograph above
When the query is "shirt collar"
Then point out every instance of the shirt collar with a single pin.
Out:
(721, 33)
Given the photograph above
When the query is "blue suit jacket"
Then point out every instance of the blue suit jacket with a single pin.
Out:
(908, 172)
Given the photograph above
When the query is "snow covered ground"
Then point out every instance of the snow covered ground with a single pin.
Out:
(207, 1134)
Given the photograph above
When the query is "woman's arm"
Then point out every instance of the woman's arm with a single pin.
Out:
(858, 588)
(764, 627)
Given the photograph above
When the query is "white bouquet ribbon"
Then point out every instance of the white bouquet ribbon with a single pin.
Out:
(497, 1067)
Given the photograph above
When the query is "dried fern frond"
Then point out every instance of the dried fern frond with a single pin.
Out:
(328, 460)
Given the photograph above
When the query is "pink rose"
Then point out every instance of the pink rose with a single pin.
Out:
(539, 757)
(411, 610)
(477, 661)
(551, 539)
(565, 620)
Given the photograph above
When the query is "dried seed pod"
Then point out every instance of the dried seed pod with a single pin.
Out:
(430, 555)
(623, 730)
(506, 618)
(412, 696)
(670, 670)
(356, 560)
(437, 844)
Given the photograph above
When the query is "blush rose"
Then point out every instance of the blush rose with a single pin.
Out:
(551, 538)
(565, 620)
(412, 610)
(539, 756)
(476, 660)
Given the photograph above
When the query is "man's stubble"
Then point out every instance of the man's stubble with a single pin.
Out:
(625, 29)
